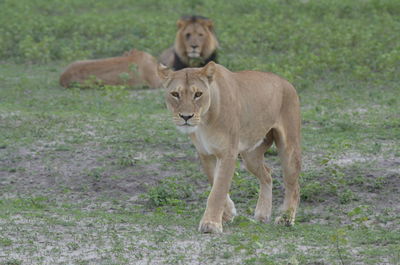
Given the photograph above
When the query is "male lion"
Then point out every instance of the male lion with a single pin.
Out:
(195, 44)
(227, 114)
(133, 68)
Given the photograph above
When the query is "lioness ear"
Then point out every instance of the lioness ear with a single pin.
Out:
(163, 72)
(130, 53)
(209, 71)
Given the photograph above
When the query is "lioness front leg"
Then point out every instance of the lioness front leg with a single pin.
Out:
(209, 163)
(217, 200)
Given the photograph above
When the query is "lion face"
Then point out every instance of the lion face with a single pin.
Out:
(187, 95)
(195, 38)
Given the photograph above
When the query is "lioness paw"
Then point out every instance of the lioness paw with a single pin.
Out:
(284, 220)
(261, 217)
(210, 227)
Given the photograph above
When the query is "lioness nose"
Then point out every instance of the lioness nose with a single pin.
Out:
(195, 46)
(185, 117)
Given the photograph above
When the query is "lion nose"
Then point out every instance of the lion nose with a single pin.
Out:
(185, 117)
(195, 46)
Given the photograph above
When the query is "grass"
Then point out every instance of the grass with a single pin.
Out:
(102, 176)
(123, 235)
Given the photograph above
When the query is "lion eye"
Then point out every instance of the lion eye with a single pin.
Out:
(200, 34)
(198, 94)
(187, 35)
(175, 94)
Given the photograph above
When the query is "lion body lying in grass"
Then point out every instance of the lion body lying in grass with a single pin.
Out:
(195, 44)
(227, 114)
(134, 68)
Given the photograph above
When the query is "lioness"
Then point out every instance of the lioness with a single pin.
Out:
(227, 114)
(133, 68)
(195, 44)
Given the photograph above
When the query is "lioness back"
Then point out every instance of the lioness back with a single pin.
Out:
(133, 68)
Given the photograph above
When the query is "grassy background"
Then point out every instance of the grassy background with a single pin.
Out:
(302, 40)
(103, 177)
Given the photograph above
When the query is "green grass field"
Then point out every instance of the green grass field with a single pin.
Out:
(101, 176)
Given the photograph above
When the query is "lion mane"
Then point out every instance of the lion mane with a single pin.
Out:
(195, 44)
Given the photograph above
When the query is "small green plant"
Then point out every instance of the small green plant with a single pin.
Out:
(5, 242)
(73, 246)
(118, 92)
(377, 184)
(227, 255)
(92, 82)
(340, 239)
(13, 262)
(359, 215)
(170, 191)
(124, 77)
(346, 196)
(134, 68)
(96, 174)
(127, 160)
(312, 192)
(293, 261)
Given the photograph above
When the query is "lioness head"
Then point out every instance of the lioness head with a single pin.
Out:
(188, 94)
(195, 37)
(133, 53)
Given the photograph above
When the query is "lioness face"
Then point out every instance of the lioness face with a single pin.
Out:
(187, 101)
(195, 37)
(187, 95)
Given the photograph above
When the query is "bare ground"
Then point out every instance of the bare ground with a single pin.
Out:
(89, 173)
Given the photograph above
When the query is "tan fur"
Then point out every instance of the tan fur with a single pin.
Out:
(201, 35)
(237, 113)
(140, 68)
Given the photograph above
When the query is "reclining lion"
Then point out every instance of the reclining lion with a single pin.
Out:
(195, 44)
(132, 69)
(227, 114)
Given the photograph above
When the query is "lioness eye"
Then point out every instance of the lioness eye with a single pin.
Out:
(198, 94)
(187, 35)
(175, 94)
(201, 34)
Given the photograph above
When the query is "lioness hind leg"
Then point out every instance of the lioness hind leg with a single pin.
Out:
(254, 162)
(288, 144)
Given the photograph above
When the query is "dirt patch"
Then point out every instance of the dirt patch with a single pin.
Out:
(88, 171)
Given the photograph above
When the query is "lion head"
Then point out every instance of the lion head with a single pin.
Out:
(195, 39)
(187, 94)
